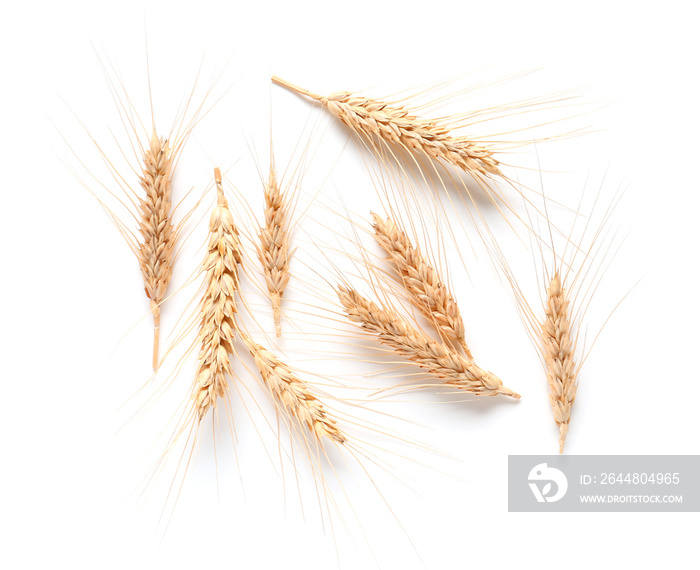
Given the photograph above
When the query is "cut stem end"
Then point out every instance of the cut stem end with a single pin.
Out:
(277, 315)
(300, 90)
(155, 308)
(563, 430)
(220, 198)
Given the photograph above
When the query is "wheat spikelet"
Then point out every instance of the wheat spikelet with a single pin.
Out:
(274, 245)
(558, 351)
(438, 359)
(156, 248)
(427, 289)
(218, 306)
(397, 126)
(293, 393)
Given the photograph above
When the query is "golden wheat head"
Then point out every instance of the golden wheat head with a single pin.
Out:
(274, 245)
(438, 359)
(157, 244)
(427, 289)
(398, 127)
(558, 351)
(218, 306)
(292, 393)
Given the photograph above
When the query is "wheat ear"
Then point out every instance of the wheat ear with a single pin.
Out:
(397, 126)
(274, 245)
(157, 244)
(558, 353)
(438, 359)
(218, 306)
(292, 393)
(428, 291)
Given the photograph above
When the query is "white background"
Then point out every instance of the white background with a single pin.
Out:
(76, 334)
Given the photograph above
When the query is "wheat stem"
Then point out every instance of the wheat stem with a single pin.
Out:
(155, 309)
(292, 87)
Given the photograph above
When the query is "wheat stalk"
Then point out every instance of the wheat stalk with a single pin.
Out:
(218, 306)
(438, 359)
(156, 248)
(274, 245)
(558, 352)
(428, 291)
(293, 393)
(397, 126)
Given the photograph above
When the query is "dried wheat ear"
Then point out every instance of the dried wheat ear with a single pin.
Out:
(156, 247)
(218, 307)
(273, 250)
(558, 352)
(427, 289)
(570, 280)
(399, 127)
(293, 394)
(439, 360)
